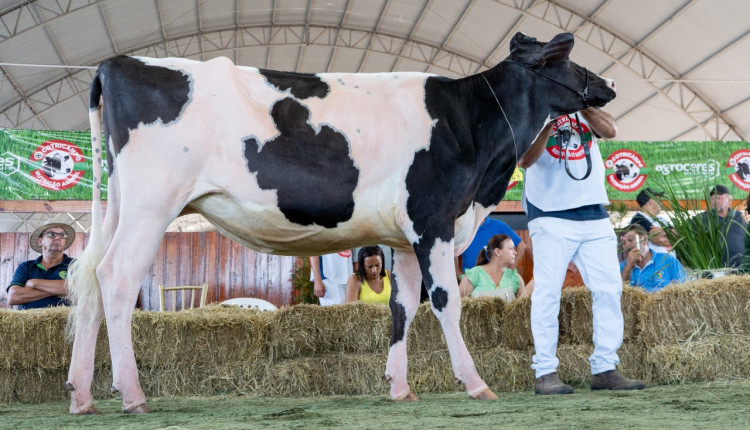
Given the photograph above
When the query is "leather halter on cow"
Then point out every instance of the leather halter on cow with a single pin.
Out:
(297, 164)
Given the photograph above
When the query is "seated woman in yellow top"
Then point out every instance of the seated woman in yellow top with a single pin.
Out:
(370, 283)
(492, 276)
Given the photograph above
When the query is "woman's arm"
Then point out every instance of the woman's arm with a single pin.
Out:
(352, 289)
(524, 289)
(465, 287)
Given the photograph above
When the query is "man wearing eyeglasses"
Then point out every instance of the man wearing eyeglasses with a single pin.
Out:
(40, 283)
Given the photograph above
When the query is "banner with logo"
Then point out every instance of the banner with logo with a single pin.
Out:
(688, 168)
(56, 165)
(45, 165)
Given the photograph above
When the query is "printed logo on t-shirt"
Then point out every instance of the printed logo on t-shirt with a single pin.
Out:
(346, 254)
(63, 274)
(573, 146)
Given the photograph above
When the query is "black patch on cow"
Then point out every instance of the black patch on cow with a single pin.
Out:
(398, 313)
(301, 85)
(136, 93)
(439, 298)
(312, 173)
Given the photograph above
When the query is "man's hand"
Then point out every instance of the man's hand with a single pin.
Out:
(319, 288)
(658, 237)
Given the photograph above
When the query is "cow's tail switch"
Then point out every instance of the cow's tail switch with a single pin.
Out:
(83, 285)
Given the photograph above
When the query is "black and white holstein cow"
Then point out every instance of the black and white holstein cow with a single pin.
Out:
(298, 164)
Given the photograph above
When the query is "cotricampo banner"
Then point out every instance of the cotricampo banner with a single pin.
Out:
(56, 165)
(45, 165)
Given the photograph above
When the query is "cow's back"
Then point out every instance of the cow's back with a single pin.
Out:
(277, 168)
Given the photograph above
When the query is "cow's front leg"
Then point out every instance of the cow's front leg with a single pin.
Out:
(439, 274)
(405, 288)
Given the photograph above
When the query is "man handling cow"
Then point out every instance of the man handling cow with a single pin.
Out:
(565, 203)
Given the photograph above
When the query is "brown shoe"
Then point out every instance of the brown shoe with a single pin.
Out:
(612, 380)
(551, 384)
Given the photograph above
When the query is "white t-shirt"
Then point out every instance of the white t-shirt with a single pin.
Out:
(337, 267)
(546, 184)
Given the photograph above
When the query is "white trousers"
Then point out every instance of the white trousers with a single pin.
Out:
(335, 293)
(592, 246)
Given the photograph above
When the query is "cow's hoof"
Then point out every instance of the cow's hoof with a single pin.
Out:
(141, 408)
(408, 397)
(89, 409)
(485, 394)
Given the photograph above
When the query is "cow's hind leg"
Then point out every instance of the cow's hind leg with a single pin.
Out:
(405, 286)
(439, 273)
(81, 373)
(123, 267)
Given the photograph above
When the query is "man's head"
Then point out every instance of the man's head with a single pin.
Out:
(52, 238)
(634, 236)
(646, 199)
(720, 199)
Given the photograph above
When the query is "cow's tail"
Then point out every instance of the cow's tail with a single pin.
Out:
(84, 291)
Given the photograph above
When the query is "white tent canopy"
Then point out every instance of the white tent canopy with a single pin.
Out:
(681, 65)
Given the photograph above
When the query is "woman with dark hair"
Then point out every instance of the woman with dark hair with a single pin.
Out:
(493, 276)
(371, 282)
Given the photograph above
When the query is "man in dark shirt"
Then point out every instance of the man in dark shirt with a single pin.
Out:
(729, 223)
(40, 283)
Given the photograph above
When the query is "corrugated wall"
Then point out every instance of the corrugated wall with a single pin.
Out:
(230, 269)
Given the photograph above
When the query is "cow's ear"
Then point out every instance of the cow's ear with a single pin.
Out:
(519, 40)
(558, 48)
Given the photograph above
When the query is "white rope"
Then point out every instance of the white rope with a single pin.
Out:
(504, 115)
(47, 66)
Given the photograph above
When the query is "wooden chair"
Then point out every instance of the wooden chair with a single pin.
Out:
(192, 289)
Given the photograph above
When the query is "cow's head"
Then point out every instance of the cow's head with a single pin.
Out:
(551, 62)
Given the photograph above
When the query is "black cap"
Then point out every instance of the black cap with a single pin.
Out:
(645, 195)
(719, 189)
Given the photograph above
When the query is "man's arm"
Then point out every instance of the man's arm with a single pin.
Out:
(600, 122)
(634, 257)
(319, 288)
(36, 289)
(537, 148)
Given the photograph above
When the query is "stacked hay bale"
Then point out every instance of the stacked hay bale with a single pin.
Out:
(698, 331)
(575, 343)
(695, 331)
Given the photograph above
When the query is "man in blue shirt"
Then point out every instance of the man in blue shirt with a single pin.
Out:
(644, 267)
(486, 230)
(40, 283)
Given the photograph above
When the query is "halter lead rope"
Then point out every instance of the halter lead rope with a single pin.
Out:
(584, 95)
(515, 147)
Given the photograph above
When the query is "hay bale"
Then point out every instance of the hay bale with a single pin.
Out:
(575, 319)
(697, 309)
(327, 374)
(575, 368)
(481, 321)
(707, 358)
(34, 339)
(46, 385)
(192, 338)
(306, 330)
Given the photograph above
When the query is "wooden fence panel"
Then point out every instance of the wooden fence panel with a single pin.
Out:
(230, 269)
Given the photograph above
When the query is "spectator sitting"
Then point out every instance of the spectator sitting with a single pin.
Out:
(40, 283)
(493, 275)
(490, 227)
(649, 219)
(729, 223)
(645, 267)
(745, 266)
(371, 282)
